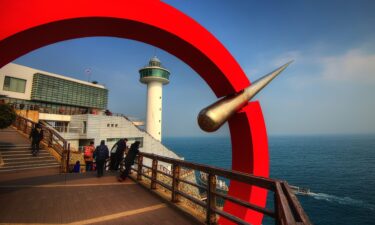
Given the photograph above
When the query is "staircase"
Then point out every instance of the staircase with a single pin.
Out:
(15, 154)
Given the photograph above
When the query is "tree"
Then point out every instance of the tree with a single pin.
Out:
(7, 115)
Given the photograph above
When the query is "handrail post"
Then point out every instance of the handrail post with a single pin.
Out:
(279, 210)
(67, 158)
(17, 123)
(154, 173)
(63, 158)
(50, 138)
(140, 164)
(175, 182)
(25, 127)
(285, 215)
(295, 205)
(276, 209)
(211, 199)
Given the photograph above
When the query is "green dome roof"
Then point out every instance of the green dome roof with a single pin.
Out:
(154, 61)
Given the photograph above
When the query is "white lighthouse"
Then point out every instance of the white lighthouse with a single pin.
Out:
(155, 76)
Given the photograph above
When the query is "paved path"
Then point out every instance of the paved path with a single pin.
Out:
(44, 197)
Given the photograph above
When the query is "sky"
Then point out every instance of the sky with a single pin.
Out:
(329, 89)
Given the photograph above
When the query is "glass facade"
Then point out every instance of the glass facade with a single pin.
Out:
(154, 72)
(65, 92)
(14, 84)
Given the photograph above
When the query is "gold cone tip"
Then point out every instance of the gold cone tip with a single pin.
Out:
(215, 115)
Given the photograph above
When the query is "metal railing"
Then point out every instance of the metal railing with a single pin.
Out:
(68, 129)
(51, 139)
(287, 209)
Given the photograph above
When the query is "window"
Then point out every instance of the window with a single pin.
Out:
(14, 84)
(84, 127)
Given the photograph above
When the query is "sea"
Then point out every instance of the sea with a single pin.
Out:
(338, 169)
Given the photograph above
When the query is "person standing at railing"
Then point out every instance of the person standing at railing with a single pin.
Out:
(89, 155)
(101, 154)
(36, 135)
(129, 160)
(118, 155)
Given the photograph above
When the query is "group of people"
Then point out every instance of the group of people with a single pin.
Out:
(101, 155)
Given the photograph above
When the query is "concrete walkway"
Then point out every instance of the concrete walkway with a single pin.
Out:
(44, 197)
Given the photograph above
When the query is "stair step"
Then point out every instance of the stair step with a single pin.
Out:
(15, 146)
(7, 130)
(19, 149)
(29, 162)
(29, 166)
(16, 151)
(26, 155)
(10, 154)
(5, 170)
(22, 158)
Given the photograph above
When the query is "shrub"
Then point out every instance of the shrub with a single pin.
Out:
(7, 115)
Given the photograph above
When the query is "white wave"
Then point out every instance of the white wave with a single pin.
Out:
(342, 200)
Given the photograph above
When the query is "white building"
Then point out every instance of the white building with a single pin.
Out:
(73, 107)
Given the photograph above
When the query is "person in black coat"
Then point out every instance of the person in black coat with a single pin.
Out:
(101, 155)
(129, 160)
(117, 156)
(36, 135)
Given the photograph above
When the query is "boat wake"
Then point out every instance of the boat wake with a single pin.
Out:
(342, 200)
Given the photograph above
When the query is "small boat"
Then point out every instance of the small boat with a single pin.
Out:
(300, 190)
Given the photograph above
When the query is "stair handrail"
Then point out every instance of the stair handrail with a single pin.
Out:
(51, 139)
(49, 126)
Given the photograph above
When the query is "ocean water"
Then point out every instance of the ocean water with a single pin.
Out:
(339, 170)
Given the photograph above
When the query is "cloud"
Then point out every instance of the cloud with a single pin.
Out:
(265, 63)
(311, 68)
(286, 57)
(353, 66)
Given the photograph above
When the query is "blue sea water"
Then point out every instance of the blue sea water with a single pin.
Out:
(339, 170)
